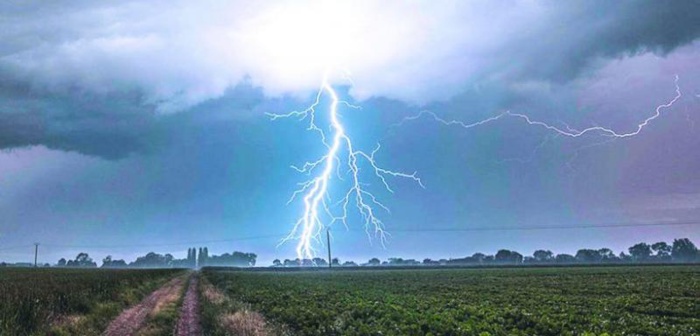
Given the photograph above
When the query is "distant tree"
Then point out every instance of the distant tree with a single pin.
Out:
(640, 252)
(335, 262)
(479, 257)
(152, 260)
(402, 262)
(205, 258)
(238, 259)
(192, 257)
(61, 262)
(276, 263)
(684, 250)
(503, 256)
(623, 257)
(565, 258)
(319, 262)
(3, 264)
(119, 263)
(290, 263)
(476, 258)
(430, 262)
(47, 265)
(543, 256)
(373, 262)
(395, 261)
(349, 264)
(107, 261)
(588, 256)
(248, 258)
(509, 257)
(663, 250)
(607, 255)
(458, 261)
(84, 260)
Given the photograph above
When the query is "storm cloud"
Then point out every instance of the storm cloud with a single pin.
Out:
(129, 122)
(96, 77)
(178, 54)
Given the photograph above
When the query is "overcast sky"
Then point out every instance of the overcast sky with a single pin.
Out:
(127, 127)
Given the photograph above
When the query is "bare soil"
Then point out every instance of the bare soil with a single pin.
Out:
(188, 324)
(131, 320)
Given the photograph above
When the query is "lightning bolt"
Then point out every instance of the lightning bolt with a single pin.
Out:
(566, 131)
(318, 210)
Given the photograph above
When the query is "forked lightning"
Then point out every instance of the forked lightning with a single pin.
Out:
(319, 212)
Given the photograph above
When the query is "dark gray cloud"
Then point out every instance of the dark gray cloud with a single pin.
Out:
(113, 125)
(96, 77)
(110, 126)
(575, 35)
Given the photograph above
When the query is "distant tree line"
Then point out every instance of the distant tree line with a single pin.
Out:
(195, 258)
(681, 251)
(81, 260)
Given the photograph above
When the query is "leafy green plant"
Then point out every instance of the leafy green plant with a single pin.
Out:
(652, 300)
(70, 301)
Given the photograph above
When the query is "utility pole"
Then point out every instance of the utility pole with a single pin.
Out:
(328, 238)
(36, 251)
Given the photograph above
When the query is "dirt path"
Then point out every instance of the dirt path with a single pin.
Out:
(188, 324)
(132, 319)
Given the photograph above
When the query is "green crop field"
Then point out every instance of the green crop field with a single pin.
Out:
(70, 301)
(650, 300)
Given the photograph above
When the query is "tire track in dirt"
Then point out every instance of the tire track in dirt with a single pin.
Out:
(188, 323)
(132, 319)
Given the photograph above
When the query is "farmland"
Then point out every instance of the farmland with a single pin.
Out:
(650, 300)
(70, 301)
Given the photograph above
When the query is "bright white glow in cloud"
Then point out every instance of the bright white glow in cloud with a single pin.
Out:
(180, 53)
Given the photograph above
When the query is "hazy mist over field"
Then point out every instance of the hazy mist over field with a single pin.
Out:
(129, 127)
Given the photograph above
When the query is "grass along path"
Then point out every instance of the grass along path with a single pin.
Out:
(151, 315)
(223, 315)
(65, 301)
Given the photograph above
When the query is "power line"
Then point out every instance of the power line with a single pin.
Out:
(544, 227)
(394, 230)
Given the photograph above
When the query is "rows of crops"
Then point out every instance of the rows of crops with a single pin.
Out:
(659, 300)
(39, 301)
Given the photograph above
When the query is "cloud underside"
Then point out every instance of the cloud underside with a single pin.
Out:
(96, 77)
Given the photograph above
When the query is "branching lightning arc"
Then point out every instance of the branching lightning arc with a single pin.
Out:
(317, 201)
(567, 131)
(319, 212)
